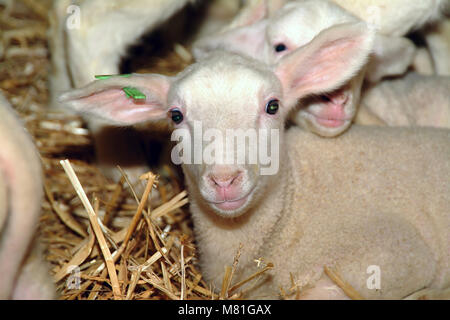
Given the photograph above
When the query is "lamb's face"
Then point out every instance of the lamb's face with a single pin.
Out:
(294, 26)
(228, 96)
(216, 104)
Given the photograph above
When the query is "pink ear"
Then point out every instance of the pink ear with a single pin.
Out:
(250, 14)
(326, 63)
(245, 34)
(106, 99)
(275, 5)
(248, 40)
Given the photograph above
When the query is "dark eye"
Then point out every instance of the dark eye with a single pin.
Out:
(272, 106)
(176, 115)
(280, 47)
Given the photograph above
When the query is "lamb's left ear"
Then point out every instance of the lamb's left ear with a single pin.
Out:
(245, 34)
(108, 100)
(332, 58)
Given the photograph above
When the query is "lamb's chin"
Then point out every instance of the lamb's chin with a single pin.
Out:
(331, 123)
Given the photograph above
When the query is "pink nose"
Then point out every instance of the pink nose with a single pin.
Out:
(224, 181)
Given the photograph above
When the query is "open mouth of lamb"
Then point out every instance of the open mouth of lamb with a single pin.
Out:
(332, 112)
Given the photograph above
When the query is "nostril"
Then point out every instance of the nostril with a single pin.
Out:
(214, 181)
(224, 181)
(234, 179)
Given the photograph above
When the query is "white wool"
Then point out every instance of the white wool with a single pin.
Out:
(20, 206)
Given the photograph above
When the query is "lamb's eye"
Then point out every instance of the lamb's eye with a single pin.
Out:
(280, 47)
(272, 106)
(176, 115)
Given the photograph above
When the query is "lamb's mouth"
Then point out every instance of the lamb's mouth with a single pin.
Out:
(333, 114)
(232, 205)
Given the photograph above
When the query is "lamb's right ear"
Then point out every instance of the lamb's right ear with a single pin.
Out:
(254, 11)
(107, 99)
(332, 58)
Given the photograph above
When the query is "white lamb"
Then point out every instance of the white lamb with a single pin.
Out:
(372, 197)
(294, 25)
(23, 273)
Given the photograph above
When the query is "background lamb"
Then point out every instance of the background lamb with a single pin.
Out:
(24, 275)
(390, 207)
(393, 19)
(295, 24)
(398, 18)
(412, 100)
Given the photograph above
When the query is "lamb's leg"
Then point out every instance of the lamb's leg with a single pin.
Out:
(394, 260)
(389, 260)
(430, 294)
(324, 289)
(59, 79)
(423, 62)
(438, 40)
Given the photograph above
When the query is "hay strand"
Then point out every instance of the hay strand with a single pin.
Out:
(347, 288)
(95, 226)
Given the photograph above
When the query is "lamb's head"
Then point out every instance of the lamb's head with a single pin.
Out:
(298, 22)
(227, 105)
(293, 26)
(226, 95)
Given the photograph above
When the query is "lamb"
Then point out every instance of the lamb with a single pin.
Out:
(295, 24)
(24, 274)
(395, 19)
(386, 203)
(413, 100)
